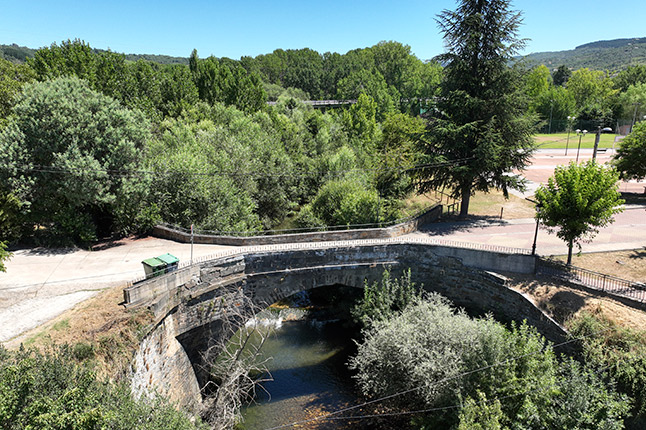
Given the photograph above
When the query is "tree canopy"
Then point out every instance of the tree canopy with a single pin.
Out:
(630, 158)
(65, 146)
(481, 131)
(579, 200)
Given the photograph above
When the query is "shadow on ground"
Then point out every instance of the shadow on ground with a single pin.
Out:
(449, 225)
(41, 250)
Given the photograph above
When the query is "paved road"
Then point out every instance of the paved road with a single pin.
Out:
(628, 232)
(542, 165)
(42, 283)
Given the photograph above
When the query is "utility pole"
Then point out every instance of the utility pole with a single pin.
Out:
(549, 131)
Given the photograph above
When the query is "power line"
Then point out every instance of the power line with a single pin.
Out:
(36, 168)
(445, 408)
(442, 381)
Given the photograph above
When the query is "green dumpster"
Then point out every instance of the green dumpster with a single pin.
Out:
(154, 267)
(171, 261)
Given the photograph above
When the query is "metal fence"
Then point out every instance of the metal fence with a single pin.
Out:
(242, 250)
(595, 280)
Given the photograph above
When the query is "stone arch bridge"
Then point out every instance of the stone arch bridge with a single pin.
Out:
(183, 302)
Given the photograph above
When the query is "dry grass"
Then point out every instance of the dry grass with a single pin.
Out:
(629, 264)
(490, 204)
(481, 204)
(99, 325)
(417, 202)
(565, 303)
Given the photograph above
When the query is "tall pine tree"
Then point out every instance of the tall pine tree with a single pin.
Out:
(481, 130)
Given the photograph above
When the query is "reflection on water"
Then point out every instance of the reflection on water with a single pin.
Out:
(310, 376)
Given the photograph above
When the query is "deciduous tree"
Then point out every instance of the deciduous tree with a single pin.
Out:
(62, 156)
(578, 200)
(630, 159)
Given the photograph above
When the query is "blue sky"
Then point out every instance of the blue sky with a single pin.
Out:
(245, 27)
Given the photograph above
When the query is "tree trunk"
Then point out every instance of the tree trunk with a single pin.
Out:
(466, 197)
(569, 252)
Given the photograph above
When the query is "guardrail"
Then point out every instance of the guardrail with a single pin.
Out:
(598, 281)
(335, 233)
(238, 251)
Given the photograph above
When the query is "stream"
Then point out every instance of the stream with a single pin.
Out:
(309, 373)
(309, 351)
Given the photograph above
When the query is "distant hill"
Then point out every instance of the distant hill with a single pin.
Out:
(15, 53)
(19, 54)
(611, 55)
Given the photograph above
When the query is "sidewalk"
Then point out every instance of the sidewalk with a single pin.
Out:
(42, 283)
(627, 232)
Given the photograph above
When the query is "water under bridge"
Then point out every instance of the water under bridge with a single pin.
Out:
(188, 302)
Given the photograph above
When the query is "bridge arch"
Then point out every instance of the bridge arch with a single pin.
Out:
(185, 302)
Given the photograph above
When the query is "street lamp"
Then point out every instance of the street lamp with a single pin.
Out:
(549, 131)
(538, 221)
(580, 133)
(596, 140)
(570, 120)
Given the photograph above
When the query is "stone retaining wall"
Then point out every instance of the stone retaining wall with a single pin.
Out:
(396, 230)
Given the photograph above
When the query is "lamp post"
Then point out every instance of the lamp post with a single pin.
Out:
(580, 133)
(570, 120)
(597, 138)
(549, 130)
(538, 221)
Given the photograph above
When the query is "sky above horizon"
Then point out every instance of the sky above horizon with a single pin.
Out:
(252, 27)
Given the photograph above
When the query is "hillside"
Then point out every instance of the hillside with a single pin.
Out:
(15, 53)
(609, 55)
(19, 54)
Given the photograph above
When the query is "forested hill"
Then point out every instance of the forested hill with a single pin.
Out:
(610, 55)
(19, 54)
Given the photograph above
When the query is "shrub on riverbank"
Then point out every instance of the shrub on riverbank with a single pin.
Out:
(50, 390)
(463, 371)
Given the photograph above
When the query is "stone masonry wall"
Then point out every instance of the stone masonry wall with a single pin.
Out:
(396, 230)
(464, 276)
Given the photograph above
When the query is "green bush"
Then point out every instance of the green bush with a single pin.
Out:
(384, 299)
(433, 356)
(342, 202)
(50, 391)
(618, 350)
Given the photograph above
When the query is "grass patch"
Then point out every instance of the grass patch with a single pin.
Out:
(490, 204)
(61, 325)
(481, 204)
(629, 264)
(415, 203)
(559, 140)
(99, 329)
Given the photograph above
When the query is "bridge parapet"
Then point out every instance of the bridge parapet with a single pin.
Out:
(163, 293)
(187, 304)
